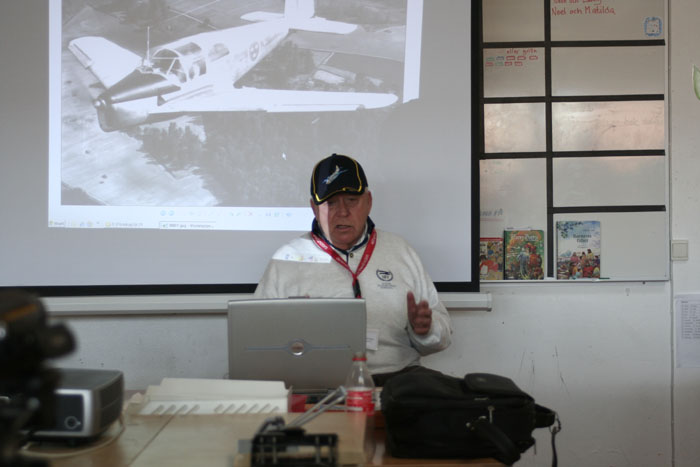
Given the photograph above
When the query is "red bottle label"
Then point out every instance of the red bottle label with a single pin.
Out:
(361, 399)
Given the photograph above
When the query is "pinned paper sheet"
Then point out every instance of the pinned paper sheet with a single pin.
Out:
(212, 396)
(687, 311)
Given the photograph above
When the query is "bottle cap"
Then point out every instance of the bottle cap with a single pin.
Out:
(359, 356)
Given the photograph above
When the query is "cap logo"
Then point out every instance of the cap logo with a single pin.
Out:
(337, 173)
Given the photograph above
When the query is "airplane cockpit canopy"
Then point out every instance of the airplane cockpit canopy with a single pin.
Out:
(184, 62)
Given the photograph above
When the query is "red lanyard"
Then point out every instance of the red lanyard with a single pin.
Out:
(360, 267)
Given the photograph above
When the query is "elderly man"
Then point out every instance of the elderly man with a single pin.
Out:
(344, 255)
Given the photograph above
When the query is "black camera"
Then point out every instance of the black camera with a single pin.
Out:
(27, 386)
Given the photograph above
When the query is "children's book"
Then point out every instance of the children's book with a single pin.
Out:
(524, 254)
(491, 259)
(578, 249)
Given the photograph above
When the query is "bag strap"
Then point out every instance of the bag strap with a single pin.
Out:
(544, 417)
(509, 453)
(554, 429)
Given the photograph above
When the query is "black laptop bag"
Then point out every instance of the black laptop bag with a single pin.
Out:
(432, 415)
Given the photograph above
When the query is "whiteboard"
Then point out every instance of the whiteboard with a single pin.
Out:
(582, 137)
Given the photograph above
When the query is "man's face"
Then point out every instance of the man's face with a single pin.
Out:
(342, 218)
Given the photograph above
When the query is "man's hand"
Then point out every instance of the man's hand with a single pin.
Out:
(420, 316)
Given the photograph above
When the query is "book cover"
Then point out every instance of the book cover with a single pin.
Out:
(491, 259)
(578, 249)
(524, 254)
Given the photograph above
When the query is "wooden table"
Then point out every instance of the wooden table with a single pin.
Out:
(213, 440)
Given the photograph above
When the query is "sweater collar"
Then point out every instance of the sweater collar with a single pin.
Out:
(369, 227)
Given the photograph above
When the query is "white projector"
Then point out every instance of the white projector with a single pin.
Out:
(87, 403)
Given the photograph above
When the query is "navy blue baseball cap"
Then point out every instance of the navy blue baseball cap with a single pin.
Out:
(337, 174)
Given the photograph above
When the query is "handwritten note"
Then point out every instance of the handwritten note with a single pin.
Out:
(581, 7)
(513, 57)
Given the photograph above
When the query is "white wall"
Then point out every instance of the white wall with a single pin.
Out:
(151, 347)
(684, 51)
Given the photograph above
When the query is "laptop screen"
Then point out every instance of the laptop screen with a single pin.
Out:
(306, 342)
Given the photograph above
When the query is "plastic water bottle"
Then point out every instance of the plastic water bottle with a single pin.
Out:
(360, 386)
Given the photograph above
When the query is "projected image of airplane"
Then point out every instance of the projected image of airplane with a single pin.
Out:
(199, 73)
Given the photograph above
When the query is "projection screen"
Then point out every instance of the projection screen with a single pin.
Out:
(167, 145)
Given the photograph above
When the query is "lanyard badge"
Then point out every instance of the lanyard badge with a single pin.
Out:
(360, 267)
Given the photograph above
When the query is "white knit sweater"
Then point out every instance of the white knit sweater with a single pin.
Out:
(301, 268)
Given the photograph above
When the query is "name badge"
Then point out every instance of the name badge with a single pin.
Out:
(372, 341)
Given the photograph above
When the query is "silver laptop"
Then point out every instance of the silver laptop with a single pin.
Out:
(306, 342)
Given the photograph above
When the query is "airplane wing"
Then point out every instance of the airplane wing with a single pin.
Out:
(106, 60)
(260, 16)
(323, 25)
(315, 24)
(275, 100)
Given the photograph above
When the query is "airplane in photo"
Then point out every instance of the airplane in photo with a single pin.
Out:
(198, 73)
